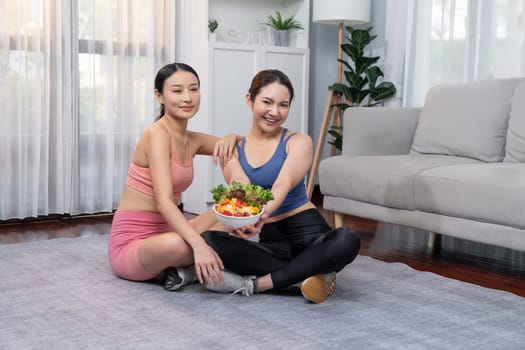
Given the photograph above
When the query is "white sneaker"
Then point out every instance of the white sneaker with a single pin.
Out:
(174, 278)
(234, 283)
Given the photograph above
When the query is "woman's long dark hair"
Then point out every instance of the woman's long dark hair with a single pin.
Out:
(166, 72)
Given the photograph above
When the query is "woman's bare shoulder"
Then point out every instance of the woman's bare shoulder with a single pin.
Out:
(298, 137)
(299, 142)
(155, 131)
(153, 136)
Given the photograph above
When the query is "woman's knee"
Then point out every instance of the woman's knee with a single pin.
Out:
(348, 241)
(158, 252)
(350, 236)
(175, 244)
(166, 247)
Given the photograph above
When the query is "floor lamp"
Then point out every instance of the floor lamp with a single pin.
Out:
(340, 13)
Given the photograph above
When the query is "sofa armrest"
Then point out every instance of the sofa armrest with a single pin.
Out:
(378, 130)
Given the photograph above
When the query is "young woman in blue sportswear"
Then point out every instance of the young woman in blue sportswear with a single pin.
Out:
(296, 246)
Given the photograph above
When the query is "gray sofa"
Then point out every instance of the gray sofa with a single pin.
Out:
(456, 166)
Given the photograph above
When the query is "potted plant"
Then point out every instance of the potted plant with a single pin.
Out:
(213, 24)
(364, 85)
(282, 27)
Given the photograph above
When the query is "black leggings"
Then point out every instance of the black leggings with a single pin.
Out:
(291, 249)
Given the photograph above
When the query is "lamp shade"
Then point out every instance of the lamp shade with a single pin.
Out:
(336, 11)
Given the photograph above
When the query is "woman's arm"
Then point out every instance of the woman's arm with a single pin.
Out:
(298, 161)
(158, 153)
(207, 262)
(233, 171)
(220, 148)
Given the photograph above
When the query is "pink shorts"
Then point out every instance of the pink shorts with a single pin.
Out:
(128, 229)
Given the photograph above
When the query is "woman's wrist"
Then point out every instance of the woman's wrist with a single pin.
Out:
(195, 240)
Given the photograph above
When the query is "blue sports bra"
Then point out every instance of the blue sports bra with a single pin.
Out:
(266, 174)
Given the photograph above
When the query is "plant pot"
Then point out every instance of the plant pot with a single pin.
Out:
(281, 37)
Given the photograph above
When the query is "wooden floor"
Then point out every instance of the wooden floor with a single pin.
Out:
(480, 264)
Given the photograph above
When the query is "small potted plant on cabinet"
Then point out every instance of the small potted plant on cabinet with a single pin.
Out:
(282, 27)
(213, 24)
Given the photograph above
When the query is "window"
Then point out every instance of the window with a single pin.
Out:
(76, 85)
(452, 41)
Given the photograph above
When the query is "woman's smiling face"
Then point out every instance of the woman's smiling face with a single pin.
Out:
(271, 105)
(181, 95)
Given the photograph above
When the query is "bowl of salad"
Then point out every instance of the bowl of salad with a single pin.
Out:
(239, 204)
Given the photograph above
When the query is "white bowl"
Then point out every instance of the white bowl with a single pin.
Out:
(237, 221)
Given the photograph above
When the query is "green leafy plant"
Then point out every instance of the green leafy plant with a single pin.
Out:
(278, 22)
(336, 132)
(364, 85)
(213, 24)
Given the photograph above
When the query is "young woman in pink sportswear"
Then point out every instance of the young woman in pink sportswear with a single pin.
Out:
(149, 234)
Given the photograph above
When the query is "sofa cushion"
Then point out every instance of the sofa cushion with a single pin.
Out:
(515, 147)
(382, 180)
(492, 193)
(466, 120)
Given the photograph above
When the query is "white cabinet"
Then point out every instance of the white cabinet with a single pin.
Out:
(232, 67)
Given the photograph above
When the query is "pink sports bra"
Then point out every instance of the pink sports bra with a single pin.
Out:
(139, 178)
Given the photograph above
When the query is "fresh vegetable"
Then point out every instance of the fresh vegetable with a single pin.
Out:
(236, 207)
(240, 199)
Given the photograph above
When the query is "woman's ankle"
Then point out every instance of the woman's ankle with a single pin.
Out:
(263, 283)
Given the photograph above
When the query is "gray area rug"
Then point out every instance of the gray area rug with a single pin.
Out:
(61, 294)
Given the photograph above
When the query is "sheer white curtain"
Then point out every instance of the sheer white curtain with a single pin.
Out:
(449, 41)
(76, 90)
